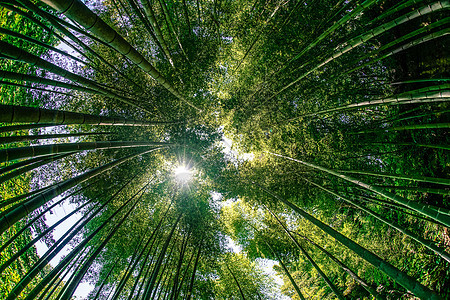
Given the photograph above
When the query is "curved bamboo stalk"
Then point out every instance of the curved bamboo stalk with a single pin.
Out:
(410, 127)
(330, 284)
(400, 277)
(49, 82)
(15, 53)
(405, 177)
(104, 282)
(33, 151)
(151, 16)
(237, 282)
(419, 97)
(73, 284)
(355, 42)
(56, 281)
(265, 24)
(133, 261)
(365, 5)
(286, 271)
(184, 276)
(395, 9)
(178, 267)
(152, 239)
(162, 3)
(137, 11)
(143, 266)
(420, 40)
(191, 284)
(37, 217)
(67, 237)
(421, 208)
(24, 248)
(80, 13)
(30, 167)
(443, 147)
(21, 127)
(417, 238)
(445, 192)
(11, 218)
(58, 23)
(44, 27)
(22, 163)
(25, 138)
(355, 276)
(29, 87)
(52, 117)
(51, 252)
(152, 280)
(39, 43)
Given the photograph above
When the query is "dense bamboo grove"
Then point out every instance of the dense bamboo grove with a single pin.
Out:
(168, 149)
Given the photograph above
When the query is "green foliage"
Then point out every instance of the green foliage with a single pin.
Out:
(338, 88)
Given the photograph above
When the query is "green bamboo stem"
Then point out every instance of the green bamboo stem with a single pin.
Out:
(429, 37)
(30, 167)
(421, 80)
(46, 28)
(56, 281)
(53, 83)
(58, 24)
(430, 245)
(24, 248)
(419, 190)
(52, 117)
(443, 147)
(137, 11)
(395, 9)
(152, 239)
(425, 97)
(396, 119)
(37, 217)
(37, 42)
(81, 14)
(417, 178)
(44, 259)
(421, 208)
(57, 247)
(286, 271)
(151, 17)
(355, 276)
(152, 280)
(25, 138)
(363, 6)
(237, 282)
(355, 42)
(15, 53)
(411, 127)
(22, 163)
(184, 276)
(104, 282)
(330, 284)
(143, 266)
(22, 127)
(33, 151)
(191, 284)
(73, 284)
(14, 216)
(400, 277)
(178, 268)
(29, 87)
(133, 261)
(171, 27)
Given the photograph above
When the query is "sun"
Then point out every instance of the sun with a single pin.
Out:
(182, 174)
